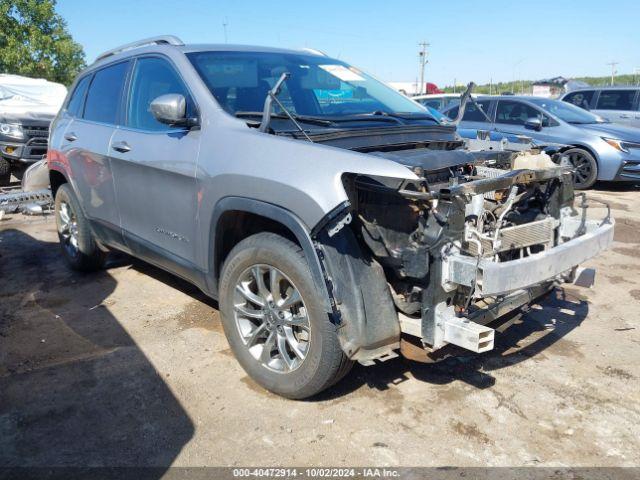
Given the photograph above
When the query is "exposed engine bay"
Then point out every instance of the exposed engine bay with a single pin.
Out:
(478, 235)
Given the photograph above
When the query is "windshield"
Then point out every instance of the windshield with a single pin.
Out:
(317, 87)
(567, 112)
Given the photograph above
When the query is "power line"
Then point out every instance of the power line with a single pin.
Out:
(422, 56)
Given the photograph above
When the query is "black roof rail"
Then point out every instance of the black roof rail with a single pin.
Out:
(159, 40)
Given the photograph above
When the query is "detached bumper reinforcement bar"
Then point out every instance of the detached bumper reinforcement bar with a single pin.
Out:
(14, 201)
(495, 278)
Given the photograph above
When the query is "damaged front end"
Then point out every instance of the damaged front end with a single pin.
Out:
(475, 238)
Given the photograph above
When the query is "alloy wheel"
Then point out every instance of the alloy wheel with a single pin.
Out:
(272, 319)
(68, 229)
(582, 168)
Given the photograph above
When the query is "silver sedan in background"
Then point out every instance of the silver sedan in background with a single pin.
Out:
(601, 150)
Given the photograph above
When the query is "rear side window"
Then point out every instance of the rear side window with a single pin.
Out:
(76, 102)
(580, 98)
(616, 100)
(451, 101)
(105, 93)
(471, 112)
(431, 103)
(151, 78)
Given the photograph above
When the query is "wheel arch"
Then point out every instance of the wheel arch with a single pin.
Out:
(56, 178)
(586, 147)
(236, 218)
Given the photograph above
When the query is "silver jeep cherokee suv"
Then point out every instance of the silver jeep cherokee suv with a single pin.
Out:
(334, 219)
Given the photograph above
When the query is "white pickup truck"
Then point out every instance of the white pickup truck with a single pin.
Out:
(27, 106)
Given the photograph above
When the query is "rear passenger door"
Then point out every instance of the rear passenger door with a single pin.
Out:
(85, 146)
(154, 168)
(619, 106)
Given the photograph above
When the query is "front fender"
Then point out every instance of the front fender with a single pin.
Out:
(277, 214)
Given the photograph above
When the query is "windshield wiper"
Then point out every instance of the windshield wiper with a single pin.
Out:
(366, 117)
(299, 118)
(272, 96)
(403, 116)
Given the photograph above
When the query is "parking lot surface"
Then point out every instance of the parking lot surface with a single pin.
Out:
(129, 366)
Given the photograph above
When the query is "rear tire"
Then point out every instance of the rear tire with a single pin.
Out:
(288, 347)
(586, 167)
(5, 172)
(76, 240)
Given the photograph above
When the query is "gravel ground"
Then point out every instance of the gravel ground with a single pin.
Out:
(129, 366)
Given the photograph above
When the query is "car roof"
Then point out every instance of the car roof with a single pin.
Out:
(224, 47)
(525, 98)
(614, 87)
(436, 95)
(170, 43)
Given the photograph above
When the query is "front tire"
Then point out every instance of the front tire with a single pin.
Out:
(586, 168)
(78, 246)
(274, 320)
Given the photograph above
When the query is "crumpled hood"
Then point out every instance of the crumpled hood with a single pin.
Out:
(613, 130)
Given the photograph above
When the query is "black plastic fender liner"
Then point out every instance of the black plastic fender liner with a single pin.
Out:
(277, 214)
(368, 325)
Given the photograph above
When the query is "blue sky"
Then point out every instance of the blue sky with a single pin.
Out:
(469, 40)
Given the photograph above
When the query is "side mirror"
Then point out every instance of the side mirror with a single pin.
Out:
(533, 124)
(171, 109)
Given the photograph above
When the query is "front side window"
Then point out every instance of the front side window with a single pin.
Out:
(515, 113)
(152, 77)
(616, 100)
(317, 85)
(105, 94)
(581, 98)
(76, 102)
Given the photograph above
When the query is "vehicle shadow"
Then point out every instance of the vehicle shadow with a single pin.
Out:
(120, 259)
(75, 388)
(539, 330)
(616, 186)
(542, 328)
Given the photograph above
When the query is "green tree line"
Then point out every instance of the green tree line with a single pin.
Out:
(34, 42)
(525, 86)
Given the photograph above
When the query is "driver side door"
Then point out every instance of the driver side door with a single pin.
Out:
(154, 168)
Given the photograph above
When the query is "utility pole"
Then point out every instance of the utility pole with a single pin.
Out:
(422, 56)
(514, 85)
(613, 70)
(224, 26)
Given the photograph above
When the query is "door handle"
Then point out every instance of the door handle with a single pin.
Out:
(122, 147)
(624, 115)
(71, 137)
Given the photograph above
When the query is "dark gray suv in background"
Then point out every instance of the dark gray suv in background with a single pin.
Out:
(334, 219)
